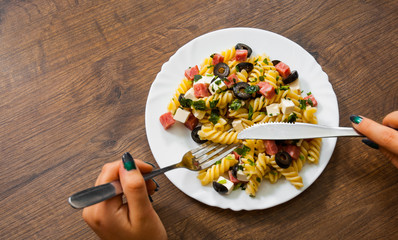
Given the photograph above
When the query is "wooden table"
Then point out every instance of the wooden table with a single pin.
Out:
(74, 77)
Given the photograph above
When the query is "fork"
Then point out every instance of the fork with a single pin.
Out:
(196, 159)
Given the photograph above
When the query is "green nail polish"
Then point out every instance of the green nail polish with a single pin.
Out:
(128, 162)
(370, 143)
(355, 119)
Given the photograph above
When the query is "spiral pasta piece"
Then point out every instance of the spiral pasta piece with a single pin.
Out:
(252, 185)
(208, 132)
(228, 54)
(217, 169)
(289, 173)
(222, 99)
(314, 150)
(184, 86)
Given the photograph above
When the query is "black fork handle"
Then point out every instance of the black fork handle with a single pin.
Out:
(106, 191)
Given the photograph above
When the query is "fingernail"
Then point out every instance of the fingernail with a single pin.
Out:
(128, 162)
(157, 185)
(355, 119)
(151, 164)
(150, 198)
(370, 143)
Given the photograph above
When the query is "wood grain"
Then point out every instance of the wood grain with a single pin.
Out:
(74, 77)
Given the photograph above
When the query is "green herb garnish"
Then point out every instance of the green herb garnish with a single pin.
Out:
(223, 181)
(185, 102)
(250, 112)
(235, 105)
(292, 118)
(199, 105)
(213, 104)
(252, 89)
(243, 150)
(214, 116)
(197, 77)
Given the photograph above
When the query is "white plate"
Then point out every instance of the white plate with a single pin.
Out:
(168, 146)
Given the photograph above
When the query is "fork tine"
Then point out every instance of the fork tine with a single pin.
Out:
(225, 151)
(208, 154)
(204, 150)
(203, 146)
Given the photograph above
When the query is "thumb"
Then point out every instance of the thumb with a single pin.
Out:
(134, 188)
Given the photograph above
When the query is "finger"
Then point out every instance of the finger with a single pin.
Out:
(145, 167)
(110, 173)
(385, 137)
(391, 120)
(390, 156)
(96, 214)
(151, 186)
(134, 188)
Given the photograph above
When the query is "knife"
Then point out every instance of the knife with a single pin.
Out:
(284, 131)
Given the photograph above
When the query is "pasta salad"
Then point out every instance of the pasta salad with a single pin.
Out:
(232, 90)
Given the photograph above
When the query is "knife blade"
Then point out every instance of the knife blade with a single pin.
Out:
(285, 131)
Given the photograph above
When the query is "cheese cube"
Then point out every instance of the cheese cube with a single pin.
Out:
(205, 79)
(217, 86)
(273, 109)
(237, 125)
(287, 106)
(181, 115)
(190, 94)
(241, 176)
(199, 114)
(226, 183)
(295, 85)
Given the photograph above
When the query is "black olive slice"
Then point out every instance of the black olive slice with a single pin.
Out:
(274, 62)
(244, 46)
(195, 136)
(221, 69)
(239, 90)
(234, 170)
(283, 159)
(291, 78)
(245, 65)
(219, 187)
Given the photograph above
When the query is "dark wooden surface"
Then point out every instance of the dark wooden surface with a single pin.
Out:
(74, 76)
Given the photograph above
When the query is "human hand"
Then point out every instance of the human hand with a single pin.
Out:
(136, 219)
(385, 136)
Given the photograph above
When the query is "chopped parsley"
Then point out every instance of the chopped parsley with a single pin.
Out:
(213, 104)
(251, 162)
(261, 78)
(185, 102)
(258, 179)
(265, 61)
(214, 116)
(197, 77)
(199, 105)
(218, 82)
(303, 104)
(243, 150)
(235, 105)
(252, 89)
(218, 162)
(292, 118)
(309, 101)
(250, 112)
(210, 66)
(223, 181)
